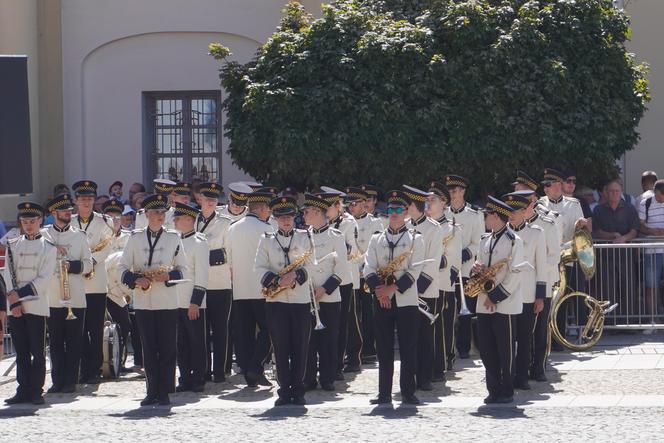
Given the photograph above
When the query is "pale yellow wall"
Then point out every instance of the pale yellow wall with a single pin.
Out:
(648, 45)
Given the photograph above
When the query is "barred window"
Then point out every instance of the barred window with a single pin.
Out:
(182, 136)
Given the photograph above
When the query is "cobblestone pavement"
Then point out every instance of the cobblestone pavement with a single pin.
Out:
(615, 392)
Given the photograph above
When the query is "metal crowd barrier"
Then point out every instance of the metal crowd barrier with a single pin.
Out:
(623, 273)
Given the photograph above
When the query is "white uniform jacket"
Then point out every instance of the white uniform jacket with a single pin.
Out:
(472, 229)
(215, 230)
(98, 229)
(432, 236)
(331, 265)
(348, 226)
(533, 279)
(450, 262)
(197, 253)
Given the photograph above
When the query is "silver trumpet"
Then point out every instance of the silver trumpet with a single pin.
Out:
(315, 308)
(424, 309)
(464, 307)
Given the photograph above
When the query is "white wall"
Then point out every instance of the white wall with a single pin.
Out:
(112, 51)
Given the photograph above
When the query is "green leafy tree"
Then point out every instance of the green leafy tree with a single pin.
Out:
(403, 91)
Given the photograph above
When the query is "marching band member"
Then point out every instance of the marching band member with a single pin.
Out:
(250, 334)
(219, 297)
(163, 187)
(236, 208)
(288, 313)
(100, 236)
(344, 222)
(448, 277)
(371, 202)
(427, 283)
(533, 283)
(327, 273)
(29, 267)
(117, 303)
(399, 253)
(552, 240)
(191, 352)
(366, 226)
(497, 308)
(66, 294)
(181, 193)
(472, 228)
(569, 208)
(153, 256)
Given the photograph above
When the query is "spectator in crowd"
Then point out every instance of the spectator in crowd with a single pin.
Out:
(3, 229)
(616, 221)
(133, 190)
(60, 189)
(128, 218)
(648, 179)
(115, 191)
(137, 200)
(586, 194)
(99, 202)
(651, 215)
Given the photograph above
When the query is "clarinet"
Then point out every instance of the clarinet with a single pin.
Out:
(12, 271)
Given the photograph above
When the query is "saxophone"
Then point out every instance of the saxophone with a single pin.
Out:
(153, 272)
(485, 280)
(447, 239)
(386, 273)
(98, 247)
(275, 289)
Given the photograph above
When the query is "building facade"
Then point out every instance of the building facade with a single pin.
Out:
(125, 90)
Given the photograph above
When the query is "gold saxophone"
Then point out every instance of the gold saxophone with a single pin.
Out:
(98, 247)
(485, 280)
(355, 256)
(276, 289)
(386, 273)
(153, 272)
(447, 239)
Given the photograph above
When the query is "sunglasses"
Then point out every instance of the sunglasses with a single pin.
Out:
(548, 185)
(394, 211)
(571, 181)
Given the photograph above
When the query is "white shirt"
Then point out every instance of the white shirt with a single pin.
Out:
(472, 229)
(331, 266)
(98, 229)
(432, 236)
(655, 218)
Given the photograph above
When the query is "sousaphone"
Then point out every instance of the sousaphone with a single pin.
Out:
(580, 249)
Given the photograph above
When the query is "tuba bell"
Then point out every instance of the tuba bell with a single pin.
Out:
(580, 249)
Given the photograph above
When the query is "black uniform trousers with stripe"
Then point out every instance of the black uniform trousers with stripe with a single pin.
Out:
(443, 355)
(250, 335)
(29, 339)
(192, 353)
(541, 336)
(346, 292)
(219, 304)
(65, 345)
(525, 324)
(159, 339)
(425, 345)
(496, 340)
(323, 346)
(93, 336)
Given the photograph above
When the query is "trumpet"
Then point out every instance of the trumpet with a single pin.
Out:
(315, 308)
(464, 306)
(424, 309)
(63, 276)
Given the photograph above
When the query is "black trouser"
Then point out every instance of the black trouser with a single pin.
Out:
(93, 336)
(366, 305)
(159, 338)
(290, 328)
(323, 354)
(541, 340)
(120, 315)
(405, 320)
(65, 345)
(425, 343)
(354, 343)
(525, 323)
(496, 343)
(252, 340)
(346, 292)
(29, 339)
(219, 303)
(231, 344)
(443, 348)
(136, 340)
(466, 329)
(191, 349)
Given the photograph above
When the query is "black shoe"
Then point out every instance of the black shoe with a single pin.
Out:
(198, 388)
(381, 400)
(450, 363)
(310, 386)
(299, 400)
(68, 389)
(93, 380)
(352, 368)
(438, 378)
(54, 389)
(539, 377)
(263, 381)
(339, 376)
(329, 387)
(521, 384)
(282, 401)
(464, 355)
(16, 399)
(149, 400)
(425, 387)
(504, 399)
(411, 400)
(490, 399)
(218, 378)
(182, 388)
(124, 370)
(367, 359)
(251, 379)
(37, 399)
(164, 400)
